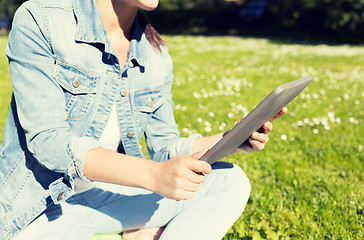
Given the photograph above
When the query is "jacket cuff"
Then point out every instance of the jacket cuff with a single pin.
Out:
(78, 148)
(183, 147)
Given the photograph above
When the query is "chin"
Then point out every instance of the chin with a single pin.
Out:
(148, 5)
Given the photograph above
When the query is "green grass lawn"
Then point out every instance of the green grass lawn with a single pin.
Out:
(308, 182)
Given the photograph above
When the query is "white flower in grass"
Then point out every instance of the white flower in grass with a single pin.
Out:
(207, 123)
(337, 120)
(353, 120)
(338, 99)
(300, 123)
(211, 114)
(315, 131)
(324, 121)
(178, 107)
(184, 108)
(230, 115)
(185, 130)
(196, 95)
(357, 102)
(208, 129)
(346, 96)
(199, 120)
(284, 137)
(360, 148)
(316, 121)
(327, 127)
(222, 126)
(331, 114)
(306, 120)
(362, 94)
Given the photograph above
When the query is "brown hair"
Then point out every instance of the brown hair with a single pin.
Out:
(152, 35)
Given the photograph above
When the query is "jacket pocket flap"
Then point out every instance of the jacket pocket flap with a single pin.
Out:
(149, 102)
(75, 80)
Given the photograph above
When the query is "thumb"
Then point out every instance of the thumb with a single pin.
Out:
(199, 154)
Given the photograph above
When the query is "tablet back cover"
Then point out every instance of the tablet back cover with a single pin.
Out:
(262, 113)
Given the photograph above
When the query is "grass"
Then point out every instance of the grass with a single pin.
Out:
(308, 182)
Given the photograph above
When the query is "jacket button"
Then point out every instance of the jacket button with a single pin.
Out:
(76, 83)
(123, 92)
(60, 196)
(130, 134)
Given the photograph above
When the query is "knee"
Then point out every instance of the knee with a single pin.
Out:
(237, 188)
(240, 182)
(235, 177)
(236, 182)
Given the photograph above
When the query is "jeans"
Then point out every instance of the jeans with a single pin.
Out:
(110, 208)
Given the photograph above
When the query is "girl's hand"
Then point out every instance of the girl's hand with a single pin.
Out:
(178, 178)
(258, 139)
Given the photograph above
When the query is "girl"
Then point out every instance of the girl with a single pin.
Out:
(90, 78)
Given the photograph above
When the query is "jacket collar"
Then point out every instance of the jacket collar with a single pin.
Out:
(90, 29)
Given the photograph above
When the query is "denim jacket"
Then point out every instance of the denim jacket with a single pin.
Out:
(66, 77)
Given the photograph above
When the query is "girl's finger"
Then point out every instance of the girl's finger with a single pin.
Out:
(196, 177)
(268, 126)
(260, 137)
(282, 112)
(192, 187)
(257, 144)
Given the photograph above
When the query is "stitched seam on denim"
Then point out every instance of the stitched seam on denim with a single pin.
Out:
(156, 89)
(47, 29)
(10, 173)
(81, 113)
(6, 146)
(149, 137)
(146, 109)
(7, 217)
(25, 181)
(78, 68)
(43, 5)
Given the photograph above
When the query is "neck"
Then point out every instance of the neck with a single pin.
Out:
(117, 16)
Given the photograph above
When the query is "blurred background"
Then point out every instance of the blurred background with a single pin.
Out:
(325, 21)
(228, 55)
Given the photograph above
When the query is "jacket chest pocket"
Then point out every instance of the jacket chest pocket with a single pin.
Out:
(146, 104)
(79, 89)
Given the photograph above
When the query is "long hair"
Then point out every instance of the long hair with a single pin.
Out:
(152, 35)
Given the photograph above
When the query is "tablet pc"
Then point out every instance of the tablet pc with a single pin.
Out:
(262, 113)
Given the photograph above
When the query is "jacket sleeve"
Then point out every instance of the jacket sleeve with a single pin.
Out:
(40, 100)
(163, 138)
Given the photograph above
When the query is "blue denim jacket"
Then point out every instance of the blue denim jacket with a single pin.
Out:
(66, 78)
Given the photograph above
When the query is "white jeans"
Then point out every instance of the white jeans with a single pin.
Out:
(110, 208)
